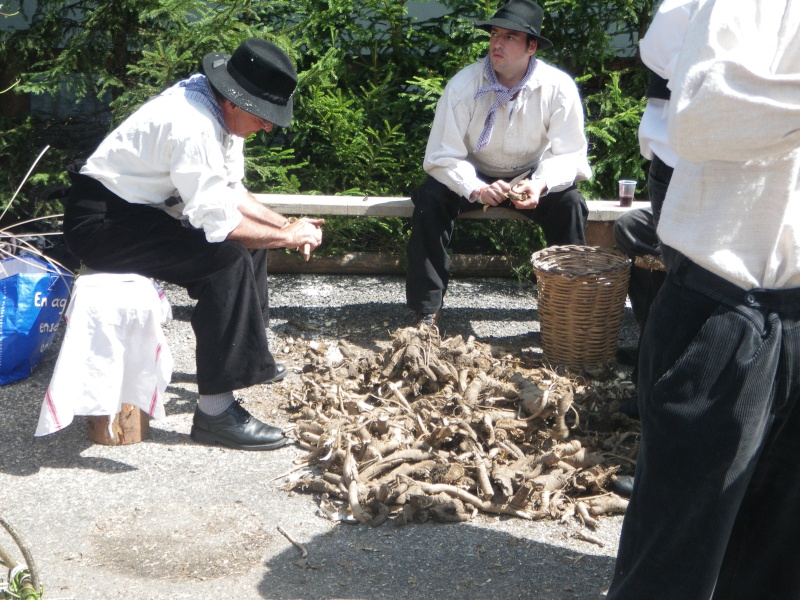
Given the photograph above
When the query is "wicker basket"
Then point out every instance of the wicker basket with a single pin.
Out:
(581, 298)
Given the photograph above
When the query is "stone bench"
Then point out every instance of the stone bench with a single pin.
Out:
(599, 232)
(599, 229)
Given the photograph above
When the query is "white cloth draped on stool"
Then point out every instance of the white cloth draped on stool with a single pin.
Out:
(113, 352)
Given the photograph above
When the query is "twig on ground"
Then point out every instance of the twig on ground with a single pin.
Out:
(298, 545)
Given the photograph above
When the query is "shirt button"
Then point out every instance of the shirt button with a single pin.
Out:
(750, 299)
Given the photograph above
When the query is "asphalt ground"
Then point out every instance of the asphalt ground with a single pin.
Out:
(170, 519)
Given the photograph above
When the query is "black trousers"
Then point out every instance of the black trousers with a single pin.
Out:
(228, 281)
(562, 216)
(635, 235)
(716, 496)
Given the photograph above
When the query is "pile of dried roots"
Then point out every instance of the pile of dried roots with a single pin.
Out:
(441, 429)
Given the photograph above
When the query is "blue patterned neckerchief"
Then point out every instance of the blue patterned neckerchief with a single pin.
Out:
(503, 95)
(199, 90)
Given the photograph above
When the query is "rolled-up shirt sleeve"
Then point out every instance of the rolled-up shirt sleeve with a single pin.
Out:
(209, 183)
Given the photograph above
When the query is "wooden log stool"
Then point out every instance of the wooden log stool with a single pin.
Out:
(129, 426)
(114, 363)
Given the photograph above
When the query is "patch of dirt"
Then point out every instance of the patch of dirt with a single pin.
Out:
(179, 544)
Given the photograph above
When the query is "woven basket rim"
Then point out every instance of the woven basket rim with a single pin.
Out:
(616, 261)
(581, 294)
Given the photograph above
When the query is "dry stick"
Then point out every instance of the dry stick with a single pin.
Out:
(54, 264)
(309, 438)
(388, 462)
(319, 486)
(485, 485)
(622, 437)
(303, 551)
(462, 380)
(582, 535)
(583, 513)
(451, 490)
(625, 458)
(31, 220)
(395, 387)
(24, 179)
(25, 552)
(303, 446)
(16, 83)
(352, 481)
(403, 469)
(501, 414)
(511, 448)
(300, 468)
(7, 560)
(487, 421)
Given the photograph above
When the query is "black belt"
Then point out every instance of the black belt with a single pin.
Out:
(693, 276)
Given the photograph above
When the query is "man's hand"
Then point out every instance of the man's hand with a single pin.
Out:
(527, 192)
(305, 235)
(494, 193)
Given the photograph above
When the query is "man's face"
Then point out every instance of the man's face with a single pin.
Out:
(242, 123)
(510, 52)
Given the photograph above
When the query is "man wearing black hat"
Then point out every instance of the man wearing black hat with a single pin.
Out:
(162, 196)
(508, 120)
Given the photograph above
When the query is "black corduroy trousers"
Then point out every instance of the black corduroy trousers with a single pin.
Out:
(716, 497)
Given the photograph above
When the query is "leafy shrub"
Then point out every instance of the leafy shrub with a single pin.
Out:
(370, 77)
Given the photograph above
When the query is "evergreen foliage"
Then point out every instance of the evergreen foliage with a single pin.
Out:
(370, 77)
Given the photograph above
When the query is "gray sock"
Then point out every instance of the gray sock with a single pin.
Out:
(215, 404)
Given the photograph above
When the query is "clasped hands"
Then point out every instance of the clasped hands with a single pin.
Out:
(305, 235)
(525, 194)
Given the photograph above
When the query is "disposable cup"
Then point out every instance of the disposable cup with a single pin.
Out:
(627, 189)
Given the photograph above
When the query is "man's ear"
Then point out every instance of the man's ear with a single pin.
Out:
(532, 47)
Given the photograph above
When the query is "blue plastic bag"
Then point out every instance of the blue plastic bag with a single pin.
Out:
(33, 297)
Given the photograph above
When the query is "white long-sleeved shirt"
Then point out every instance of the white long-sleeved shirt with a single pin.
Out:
(733, 204)
(173, 153)
(542, 128)
(659, 51)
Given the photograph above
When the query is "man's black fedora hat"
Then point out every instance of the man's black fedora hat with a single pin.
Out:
(258, 78)
(519, 15)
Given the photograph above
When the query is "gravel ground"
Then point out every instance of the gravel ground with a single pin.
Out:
(170, 519)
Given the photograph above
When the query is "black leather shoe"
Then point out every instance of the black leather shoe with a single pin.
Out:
(280, 373)
(235, 428)
(622, 485)
(427, 320)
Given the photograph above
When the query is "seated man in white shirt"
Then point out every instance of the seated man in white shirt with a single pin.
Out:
(162, 196)
(508, 116)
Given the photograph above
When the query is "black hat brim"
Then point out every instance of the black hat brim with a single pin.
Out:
(229, 88)
(542, 42)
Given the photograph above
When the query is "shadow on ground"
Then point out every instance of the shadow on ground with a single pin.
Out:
(429, 560)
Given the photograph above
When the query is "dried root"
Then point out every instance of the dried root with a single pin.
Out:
(441, 429)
